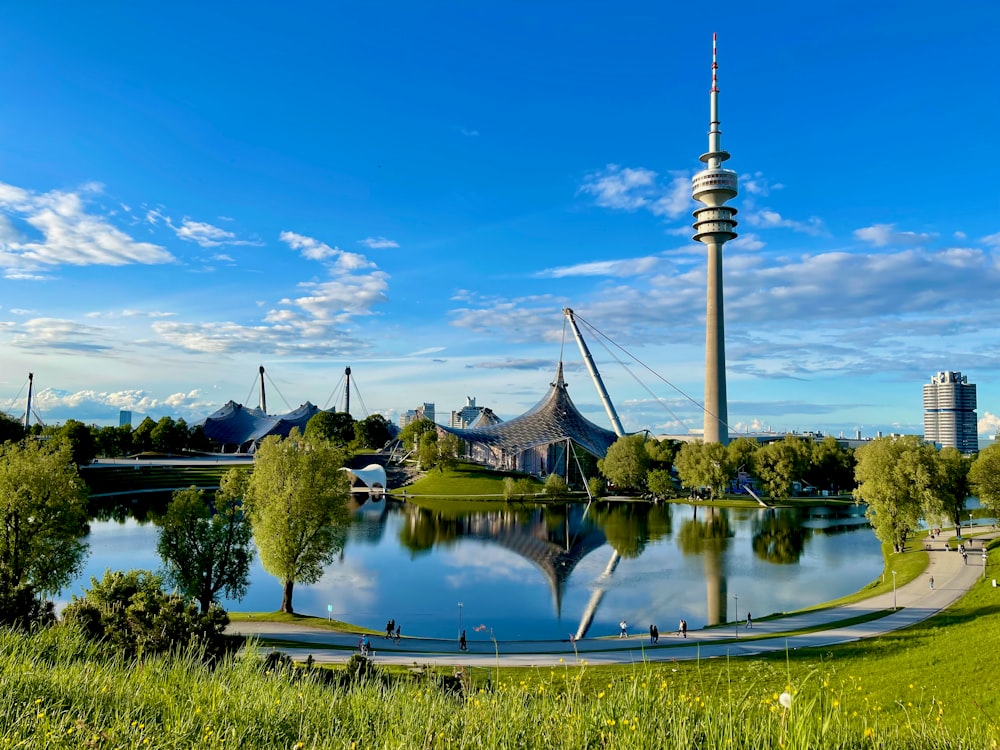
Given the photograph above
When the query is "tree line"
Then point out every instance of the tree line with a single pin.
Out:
(175, 436)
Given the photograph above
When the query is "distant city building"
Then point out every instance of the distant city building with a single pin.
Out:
(424, 411)
(125, 418)
(467, 415)
(950, 412)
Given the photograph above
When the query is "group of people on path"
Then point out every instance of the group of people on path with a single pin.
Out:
(392, 630)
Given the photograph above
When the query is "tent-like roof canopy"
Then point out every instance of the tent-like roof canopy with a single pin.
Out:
(553, 419)
(235, 424)
(373, 475)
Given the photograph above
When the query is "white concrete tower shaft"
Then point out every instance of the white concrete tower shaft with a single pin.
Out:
(713, 225)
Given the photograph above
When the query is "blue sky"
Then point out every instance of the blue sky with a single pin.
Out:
(191, 190)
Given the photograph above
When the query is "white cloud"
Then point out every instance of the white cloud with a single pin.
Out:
(992, 240)
(631, 189)
(757, 184)
(310, 248)
(58, 229)
(881, 235)
(378, 243)
(767, 219)
(624, 267)
(989, 424)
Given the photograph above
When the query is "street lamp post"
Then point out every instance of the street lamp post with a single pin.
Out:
(970, 523)
(460, 619)
(894, 589)
(737, 598)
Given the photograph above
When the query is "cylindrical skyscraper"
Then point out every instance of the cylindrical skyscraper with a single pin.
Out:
(713, 225)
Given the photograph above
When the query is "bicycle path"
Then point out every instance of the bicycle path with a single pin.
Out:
(907, 605)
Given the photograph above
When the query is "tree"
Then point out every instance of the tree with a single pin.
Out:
(428, 452)
(626, 463)
(783, 462)
(832, 466)
(951, 485)
(206, 545)
(333, 426)
(81, 441)
(555, 486)
(130, 611)
(984, 476)
(449, 450)
(11, 430)
(372, 432)
(662, 453)
(297, 503)
(895, 477)
(43, 509)
(410, 435)
(704, 465)
(743, 454)
(169, 436)
(142, 440)
(660, 483)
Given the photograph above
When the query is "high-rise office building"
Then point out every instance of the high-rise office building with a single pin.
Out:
(950, 412)
(125, 418)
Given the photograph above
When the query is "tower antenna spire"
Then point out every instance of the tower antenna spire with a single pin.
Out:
(714, 225)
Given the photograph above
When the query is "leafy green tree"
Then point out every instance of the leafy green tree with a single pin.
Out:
(11, 430)
(597, 487)
(81, 441)
(131, 612)
(743, 454)
(662, 453)
(555, 486)
(334, 426)
(372, 432)
(626, 463)
(206, 545)
(169, 436)
(660, 483)
(428, 453)
(449, 450)
(783, 462)
(43, 509)
(704, 465)
(951, 486)
(896, 479)
(832, 466)
(410, 435)
(984, 476)
(297, 503)
(142, 440)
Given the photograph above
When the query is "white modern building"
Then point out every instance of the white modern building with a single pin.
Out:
(950, 412)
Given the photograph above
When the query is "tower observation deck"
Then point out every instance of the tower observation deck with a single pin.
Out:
(714, 225)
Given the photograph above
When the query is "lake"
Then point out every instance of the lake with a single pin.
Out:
(547, 571)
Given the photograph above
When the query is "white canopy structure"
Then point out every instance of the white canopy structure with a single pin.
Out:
(373, 476)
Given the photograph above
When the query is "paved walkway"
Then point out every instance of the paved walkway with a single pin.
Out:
(914, 602)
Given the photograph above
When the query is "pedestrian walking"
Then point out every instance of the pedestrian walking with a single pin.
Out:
(623, 629)
(682, 629)
(932, 583)
(397, 632)
(462, 644)
(389, 628)
(749, 622)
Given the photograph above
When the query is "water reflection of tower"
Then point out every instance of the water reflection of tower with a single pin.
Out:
(713, 226)
(709, 538)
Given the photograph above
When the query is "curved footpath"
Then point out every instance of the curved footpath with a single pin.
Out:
(916, 601)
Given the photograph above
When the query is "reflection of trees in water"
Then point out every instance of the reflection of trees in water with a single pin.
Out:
(142, 506)
(369, 518)
(778, 537)
(630, 526)
(709, 538)
(424, 528)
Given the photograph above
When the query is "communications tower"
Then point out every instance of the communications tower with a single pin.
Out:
(713, 226)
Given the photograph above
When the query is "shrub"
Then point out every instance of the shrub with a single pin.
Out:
(131, 612)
